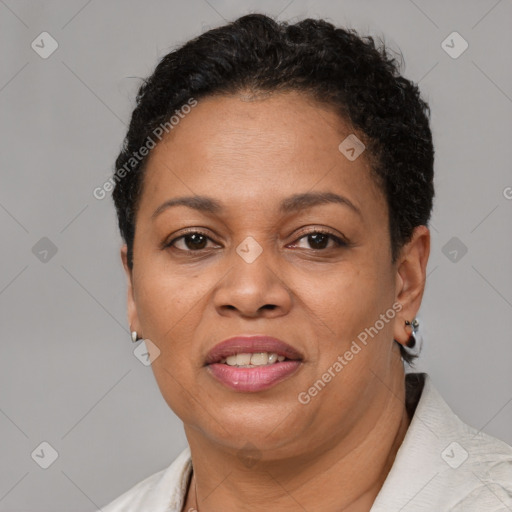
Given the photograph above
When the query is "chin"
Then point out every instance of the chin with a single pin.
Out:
(240, 426)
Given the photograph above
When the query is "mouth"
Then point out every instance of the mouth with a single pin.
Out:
(252, 363)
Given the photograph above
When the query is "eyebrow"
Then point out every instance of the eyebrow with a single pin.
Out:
(289, 205)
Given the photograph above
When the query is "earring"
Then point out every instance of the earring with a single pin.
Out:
(415, 341)
(135, 338)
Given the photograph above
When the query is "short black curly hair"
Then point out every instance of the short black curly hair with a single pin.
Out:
(335, 66)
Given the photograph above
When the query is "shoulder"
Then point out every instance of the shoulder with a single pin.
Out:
(481, 471)
(445, 464)
(162, 491)
(132, 498)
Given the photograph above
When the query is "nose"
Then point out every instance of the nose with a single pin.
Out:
(253, 288)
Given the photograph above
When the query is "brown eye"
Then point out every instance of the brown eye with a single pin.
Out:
(190, 242)
(195, 241)
(319, 240)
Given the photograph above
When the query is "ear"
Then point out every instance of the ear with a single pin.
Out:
(410, 280)
(133, 318)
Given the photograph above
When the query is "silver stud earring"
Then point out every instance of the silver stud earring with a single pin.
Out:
(135, 338)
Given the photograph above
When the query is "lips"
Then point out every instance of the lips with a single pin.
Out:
(247, 378)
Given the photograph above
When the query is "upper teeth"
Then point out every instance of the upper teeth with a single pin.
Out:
(256, 359)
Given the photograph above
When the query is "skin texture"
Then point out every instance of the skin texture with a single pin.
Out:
(267, 451)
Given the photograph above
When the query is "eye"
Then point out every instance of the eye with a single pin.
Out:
(319, 240)
(195, 241)
(191, 241)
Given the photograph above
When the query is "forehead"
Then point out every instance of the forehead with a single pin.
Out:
(256, 151)
(279, 122)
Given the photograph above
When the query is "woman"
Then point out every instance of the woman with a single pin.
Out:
(274, 192)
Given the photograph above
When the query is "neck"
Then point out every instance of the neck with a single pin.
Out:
(346, 473)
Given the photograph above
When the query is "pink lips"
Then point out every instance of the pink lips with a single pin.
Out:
(257, 378)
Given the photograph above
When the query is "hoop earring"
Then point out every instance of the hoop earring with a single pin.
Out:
(415, 342)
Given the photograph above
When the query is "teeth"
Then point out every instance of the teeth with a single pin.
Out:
(259, 358)
(231, 360)
(243, 359)
(256, 359)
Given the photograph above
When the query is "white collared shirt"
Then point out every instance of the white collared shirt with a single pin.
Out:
(442, 465)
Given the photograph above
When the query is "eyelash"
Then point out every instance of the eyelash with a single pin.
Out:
(338, 241)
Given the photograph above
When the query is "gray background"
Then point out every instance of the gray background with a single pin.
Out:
(68, 375)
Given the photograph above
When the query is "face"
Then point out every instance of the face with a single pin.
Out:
(315, 274)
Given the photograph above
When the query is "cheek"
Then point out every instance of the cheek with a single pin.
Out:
(168, 310)
(346, 309)
(349, 298)
(165, 300)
